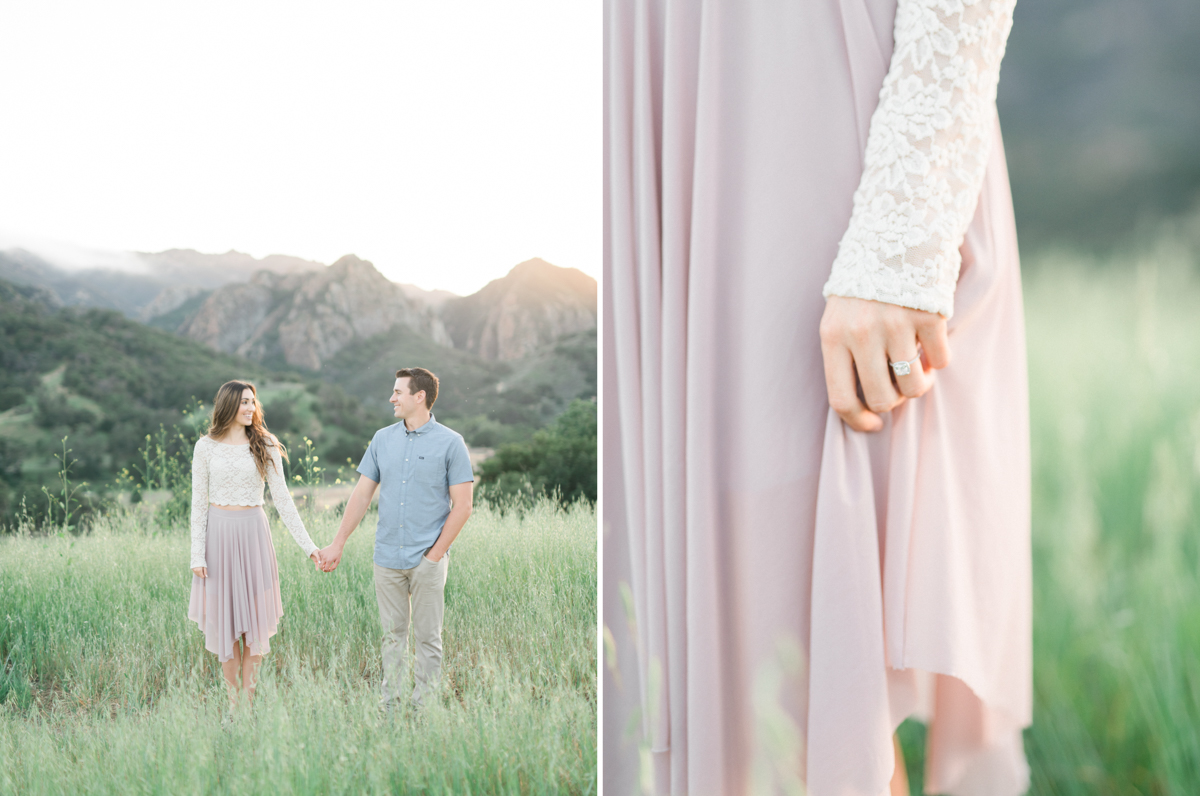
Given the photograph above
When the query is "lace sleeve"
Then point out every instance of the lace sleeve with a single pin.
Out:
(199, 502)
(927, 149)
(282, 499)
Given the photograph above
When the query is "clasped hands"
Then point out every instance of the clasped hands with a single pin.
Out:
(862, 338)
(327, 559)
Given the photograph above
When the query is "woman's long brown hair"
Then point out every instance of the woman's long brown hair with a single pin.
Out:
(224, 414)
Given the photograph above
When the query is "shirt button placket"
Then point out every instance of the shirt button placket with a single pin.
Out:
(407, 470)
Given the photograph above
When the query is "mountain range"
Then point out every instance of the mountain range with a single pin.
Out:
(287, 313)
(511, 356)
(305, 318)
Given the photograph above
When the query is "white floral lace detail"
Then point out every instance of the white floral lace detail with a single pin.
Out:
(227, 476)
(927, 150)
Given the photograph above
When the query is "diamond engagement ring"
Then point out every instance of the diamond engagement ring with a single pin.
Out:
(903, 368)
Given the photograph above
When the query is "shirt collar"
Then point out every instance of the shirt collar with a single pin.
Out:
(426, 427)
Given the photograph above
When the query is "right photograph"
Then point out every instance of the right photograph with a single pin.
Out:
(892, 504)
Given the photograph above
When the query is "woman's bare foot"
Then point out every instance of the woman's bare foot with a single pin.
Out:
(899, 785)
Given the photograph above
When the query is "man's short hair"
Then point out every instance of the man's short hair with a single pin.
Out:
(420, 379)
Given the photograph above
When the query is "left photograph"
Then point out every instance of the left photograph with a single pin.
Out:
(298, 398)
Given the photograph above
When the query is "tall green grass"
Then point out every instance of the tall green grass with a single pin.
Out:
(1114, 369)
(1114, 360)
(106, 686)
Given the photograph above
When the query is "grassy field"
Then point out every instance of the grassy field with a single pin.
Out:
(1114, 365)
(106, 686)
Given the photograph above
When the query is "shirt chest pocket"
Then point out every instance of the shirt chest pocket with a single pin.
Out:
(429, 471)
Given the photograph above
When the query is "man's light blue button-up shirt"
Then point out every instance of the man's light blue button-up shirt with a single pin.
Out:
(414, 470)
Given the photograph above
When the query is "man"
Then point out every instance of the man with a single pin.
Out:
(425, 500)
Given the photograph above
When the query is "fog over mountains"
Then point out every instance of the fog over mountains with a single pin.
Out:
(144, 285)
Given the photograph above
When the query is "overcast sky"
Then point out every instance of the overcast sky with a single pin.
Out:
(443, 141)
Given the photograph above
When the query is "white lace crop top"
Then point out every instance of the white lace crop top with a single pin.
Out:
(927, 150)
(227, 476)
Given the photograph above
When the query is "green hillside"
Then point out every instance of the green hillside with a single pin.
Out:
(1098, 103)
(105, 382)
(490, 403)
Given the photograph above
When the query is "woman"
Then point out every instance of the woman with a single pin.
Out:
(807, 212)
(235, 588)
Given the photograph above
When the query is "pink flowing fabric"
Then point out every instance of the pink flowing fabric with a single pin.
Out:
(241, 594)
(744, 518)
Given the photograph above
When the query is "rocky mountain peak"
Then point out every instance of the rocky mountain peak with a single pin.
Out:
(352, 263)
(305, 318)
(538, 275)
(530, 307)
(534, 267)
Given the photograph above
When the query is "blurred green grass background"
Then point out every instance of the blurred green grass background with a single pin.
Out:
(106, 686)
(1114, 366)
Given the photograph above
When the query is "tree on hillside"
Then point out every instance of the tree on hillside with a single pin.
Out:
(561, 457)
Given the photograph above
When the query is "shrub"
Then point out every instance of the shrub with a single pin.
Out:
(560, 459)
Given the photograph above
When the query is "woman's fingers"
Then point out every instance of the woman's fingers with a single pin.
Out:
(867, 338)
(843, 395)
(935, 343)
(871, 362)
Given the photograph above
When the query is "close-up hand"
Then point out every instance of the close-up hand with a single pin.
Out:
(330, 557)
(863, 338)
(316, 559)
(201, 571)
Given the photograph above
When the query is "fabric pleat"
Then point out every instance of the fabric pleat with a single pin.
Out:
(241, 594)
(750, 526)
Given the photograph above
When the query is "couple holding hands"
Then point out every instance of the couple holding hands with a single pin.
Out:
(423, 474)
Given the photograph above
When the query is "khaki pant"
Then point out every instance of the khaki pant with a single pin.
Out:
(418, 592)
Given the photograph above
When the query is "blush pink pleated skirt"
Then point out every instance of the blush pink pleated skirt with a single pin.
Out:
(240, 597)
